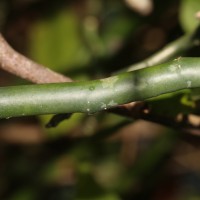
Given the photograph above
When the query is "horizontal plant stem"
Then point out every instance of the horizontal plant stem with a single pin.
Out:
(98, 95)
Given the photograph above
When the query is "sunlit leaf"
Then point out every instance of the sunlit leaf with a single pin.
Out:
(60, 46)
(188, 9)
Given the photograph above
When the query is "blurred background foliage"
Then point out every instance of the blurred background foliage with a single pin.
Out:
(102, 156)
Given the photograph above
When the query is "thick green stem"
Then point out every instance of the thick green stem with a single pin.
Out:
(97, 95)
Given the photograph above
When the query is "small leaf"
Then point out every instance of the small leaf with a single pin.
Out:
(56, 43)
(188, 9)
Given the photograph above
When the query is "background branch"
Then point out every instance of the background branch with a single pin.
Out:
(139, 110)
(17, 64)
(170, 51)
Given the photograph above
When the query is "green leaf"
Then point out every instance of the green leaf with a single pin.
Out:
(64, 127)
(56, 43)
(187, 12)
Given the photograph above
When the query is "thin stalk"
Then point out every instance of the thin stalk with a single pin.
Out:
(170, 51)
(98, 95)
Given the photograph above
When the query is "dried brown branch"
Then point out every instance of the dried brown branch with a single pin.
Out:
(19, 65)
(189, 124)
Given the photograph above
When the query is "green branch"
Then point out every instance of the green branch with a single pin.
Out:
(98, 95)
(170, 51)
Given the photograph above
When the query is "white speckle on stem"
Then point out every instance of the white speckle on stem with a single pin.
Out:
(177, 59)
(109, 82)
(142, 84)
(112, 103)
(103, 106)
(173, 68)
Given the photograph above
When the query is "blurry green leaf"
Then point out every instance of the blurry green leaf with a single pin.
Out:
(188, 101)
(195, 94)
(116, 31)
(109, 120)
(107, 173)
(108, 27)
(55, 41)
(104, 197)
(87, 188)
(64, 127)
(26, 194)
(146, 170)
(188, 10)
(172, 104)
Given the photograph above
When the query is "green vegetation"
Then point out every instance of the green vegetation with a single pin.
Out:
(128, 125)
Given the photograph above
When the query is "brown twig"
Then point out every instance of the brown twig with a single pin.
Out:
(19, 65)
(189, 124)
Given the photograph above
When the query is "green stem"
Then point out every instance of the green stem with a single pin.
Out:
(98, 95)
(170, 51)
